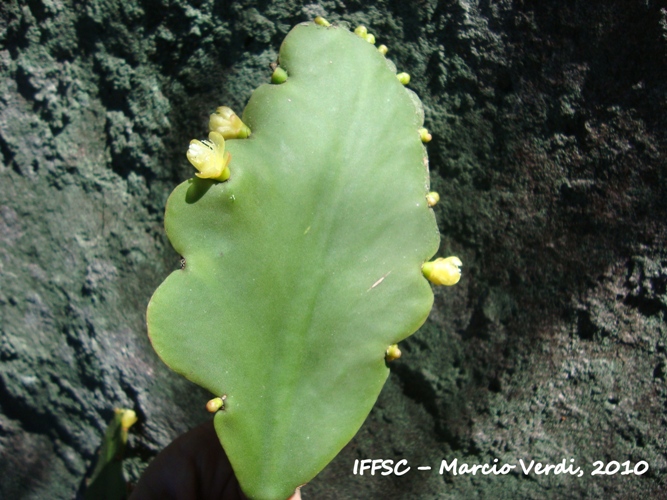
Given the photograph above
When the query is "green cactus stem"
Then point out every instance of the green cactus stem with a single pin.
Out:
(305, 264)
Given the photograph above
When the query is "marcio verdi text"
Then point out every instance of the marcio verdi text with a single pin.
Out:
(388, 467)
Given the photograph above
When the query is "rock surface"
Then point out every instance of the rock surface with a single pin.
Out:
(549, 150)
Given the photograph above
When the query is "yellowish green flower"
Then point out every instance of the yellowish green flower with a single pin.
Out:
(210, 157)
(228, 124)
(127, 418)
(443, 271)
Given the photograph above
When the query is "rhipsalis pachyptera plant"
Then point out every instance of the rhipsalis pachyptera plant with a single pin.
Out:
(306, 235)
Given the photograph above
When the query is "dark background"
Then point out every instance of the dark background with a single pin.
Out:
(549, 154)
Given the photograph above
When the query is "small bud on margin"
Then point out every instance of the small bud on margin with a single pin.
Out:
(214, 405)
(361, 31)
(424, 135)
(279, 76)
(404, 78)
(393, 352)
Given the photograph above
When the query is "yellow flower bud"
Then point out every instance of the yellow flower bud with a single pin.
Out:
(228, 124)
(370, 38)
(443, 271)
(393, 352)
(382, 49)
(404, 78)
(127, 418)
(432, 198)
(215, 404)
(279, 76)
(361, 31)
(210, 157)
(321, 21)
(424, 135)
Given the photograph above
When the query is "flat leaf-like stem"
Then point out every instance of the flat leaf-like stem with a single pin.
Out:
(305, 266)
